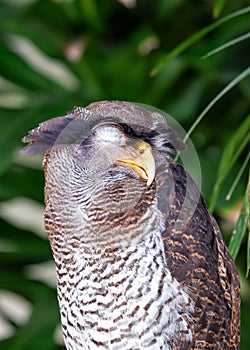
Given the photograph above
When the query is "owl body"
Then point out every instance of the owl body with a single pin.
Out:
(141, 263)
(113, 293)
(124, 300)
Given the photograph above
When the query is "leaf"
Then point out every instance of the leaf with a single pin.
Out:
(248, 241)
(248, 254)
(24, 247)
(91, 12)
(37, 333)
(227, 88)
(230, 155)
(20, 181)
(194, 38)
(228, 44)
(239, 231)
(237, 179)
(41, 63)
(218, 7)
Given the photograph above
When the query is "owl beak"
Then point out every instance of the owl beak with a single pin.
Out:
(142, 161)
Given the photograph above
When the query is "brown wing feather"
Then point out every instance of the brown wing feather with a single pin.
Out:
(199, 259)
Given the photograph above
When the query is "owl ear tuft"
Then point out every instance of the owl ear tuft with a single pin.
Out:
(43, 138)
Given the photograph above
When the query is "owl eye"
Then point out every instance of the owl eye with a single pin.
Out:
(110, 133)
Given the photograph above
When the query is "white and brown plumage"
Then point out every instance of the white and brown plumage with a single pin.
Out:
(141, 263)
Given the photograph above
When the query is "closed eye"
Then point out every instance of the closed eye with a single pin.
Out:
(110, 133)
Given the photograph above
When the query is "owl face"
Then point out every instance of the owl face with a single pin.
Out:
(109, 146)
(101, 167)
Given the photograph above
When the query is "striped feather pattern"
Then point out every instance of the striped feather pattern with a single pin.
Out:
(138, 267)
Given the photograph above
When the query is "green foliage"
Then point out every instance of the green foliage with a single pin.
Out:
(197, 36)
(55, 55)
(232, 152)
(228, 44)
(218, 7)
(240, 229)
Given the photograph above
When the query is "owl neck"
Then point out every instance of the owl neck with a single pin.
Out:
(77, 236)
(108, 213)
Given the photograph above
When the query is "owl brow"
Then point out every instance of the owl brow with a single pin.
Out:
(107, 123)
(139, 132)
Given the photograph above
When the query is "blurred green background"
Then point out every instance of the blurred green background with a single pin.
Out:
(55, 55)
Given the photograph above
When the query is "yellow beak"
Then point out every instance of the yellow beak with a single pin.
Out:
(142, 161)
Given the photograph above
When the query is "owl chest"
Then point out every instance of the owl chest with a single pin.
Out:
(131, 303)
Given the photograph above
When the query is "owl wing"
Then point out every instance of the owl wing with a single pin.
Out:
(199, 259)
